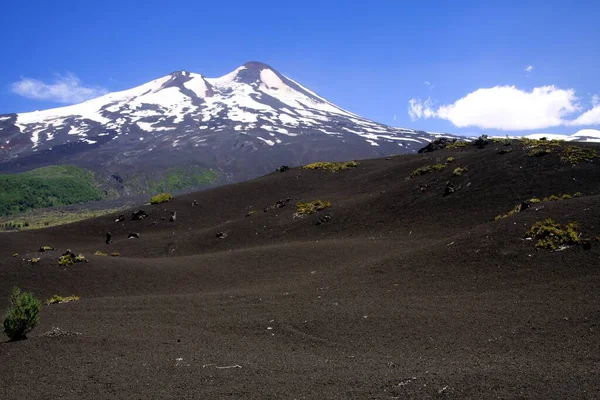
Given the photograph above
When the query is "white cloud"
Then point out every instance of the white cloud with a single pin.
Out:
(429, 85)
(595, 100)
(65, 89)
(510, 108)
(529, 68)
(420, 109)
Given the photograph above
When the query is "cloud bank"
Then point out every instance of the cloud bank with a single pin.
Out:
(509, 108)
(65, 89)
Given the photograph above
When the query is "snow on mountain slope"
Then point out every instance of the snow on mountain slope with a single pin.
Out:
(252, 97)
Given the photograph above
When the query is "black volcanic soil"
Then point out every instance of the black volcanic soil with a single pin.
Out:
(402, 294)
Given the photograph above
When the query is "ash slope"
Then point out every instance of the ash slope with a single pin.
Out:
(244, 124)
(404, 293)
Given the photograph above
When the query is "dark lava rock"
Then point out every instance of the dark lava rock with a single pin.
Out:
(121, 218)
(481, 141)
(133, 235)
(173, 216)
(323, 219)
(283, 168)
(437, 144)
(108, 238)
(221, 235)
(138, 215)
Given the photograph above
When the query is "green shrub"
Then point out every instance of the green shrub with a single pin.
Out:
(115, 254)
(22, 314)
(553, 236)
(46, 248)
(427, 169)
(575, 155)
(15, 254)
(332, 166)
(459, 171)
(100, 253)
(577, 194)
(539, 152)
(65, 261)
(35, 260)
(56, 299)
(457, 144)
(450, 159)
(566, 196)
(161, 198)
(311, 207)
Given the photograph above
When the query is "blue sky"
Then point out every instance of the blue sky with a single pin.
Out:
(400, 63)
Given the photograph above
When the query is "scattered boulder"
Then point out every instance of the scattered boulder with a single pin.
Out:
(108, 238)
(283, 168)
(121, 218)
(323, 219)
(424, 187)
(138, 215)
(449, 189)
(194, 203)
(278, 204)
(133, 235)
(586, 244)
(437, 144)
(154, 223)
(481, 141)
(221, 235)
(173, 216)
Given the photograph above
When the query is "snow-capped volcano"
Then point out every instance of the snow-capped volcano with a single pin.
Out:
(244, 123)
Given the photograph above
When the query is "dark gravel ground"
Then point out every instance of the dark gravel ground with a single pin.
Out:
(403, 293)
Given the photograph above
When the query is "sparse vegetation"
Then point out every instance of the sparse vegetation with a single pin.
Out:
(46, 187)
(553, 236)
(450, 160)
(575, 155)
(15, 254)
(100, 253)
(115, 254)
(539, 152)
(22, 314)
(458, 144)
(311, 207)
(34, 260)
(69, 258)
(38, 219)
(46, 248)
(459, 171)
(56, 299)
(535, 200)
(427, 169)
(332, 166)
(161, 198)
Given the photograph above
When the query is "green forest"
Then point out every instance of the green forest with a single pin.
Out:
(46, 187)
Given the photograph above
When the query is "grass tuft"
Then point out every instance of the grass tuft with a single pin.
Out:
(161, 198)
(311, 207)
(332, 166)
(553, 236)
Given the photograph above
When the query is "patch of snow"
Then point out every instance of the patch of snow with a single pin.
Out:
(267, 141)
(197, 85)
(271, 80)
(88, 141)
(372, 142)
(286, 119)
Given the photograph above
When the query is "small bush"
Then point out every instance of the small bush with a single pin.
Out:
(35, 260)
(553, 236)
(99, 253)
(65, 261)
(56, 299)
(115, 254)
(15, 254)
(311, 207)
(46, 248)
(80, 258)
(575, 155)
(427, 169)
(22, 314)
(450, 159)
(539, 152)
(459, 171)
(161, 198)
(577, 194)
(566, 196)
(457, 144)
(332, 166)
